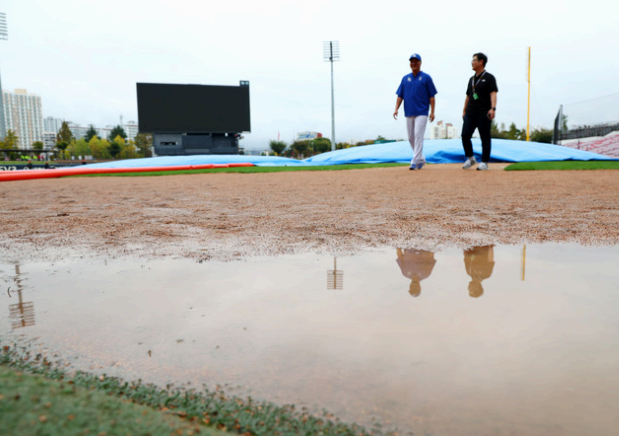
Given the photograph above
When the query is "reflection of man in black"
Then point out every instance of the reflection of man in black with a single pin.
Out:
(416, 265)
(479, 263)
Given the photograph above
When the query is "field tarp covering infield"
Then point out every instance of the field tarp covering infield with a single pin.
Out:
(440, 151)
(436, 151)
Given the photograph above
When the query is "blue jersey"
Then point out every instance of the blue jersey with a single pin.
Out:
(416, 92)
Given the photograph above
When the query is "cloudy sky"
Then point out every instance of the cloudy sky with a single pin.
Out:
(84, 58)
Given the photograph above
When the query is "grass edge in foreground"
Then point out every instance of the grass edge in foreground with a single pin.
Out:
(44, 397)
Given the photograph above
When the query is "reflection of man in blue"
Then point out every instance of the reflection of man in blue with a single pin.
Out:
(416, 265)
(479, 263)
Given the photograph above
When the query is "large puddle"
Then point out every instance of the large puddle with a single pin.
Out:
(503, 340)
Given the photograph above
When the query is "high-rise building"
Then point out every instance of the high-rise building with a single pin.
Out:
(131, 129)
(2, 117)
(77, 130)
(51, 124)
(23, 115)
(443, 131)
(4, 35)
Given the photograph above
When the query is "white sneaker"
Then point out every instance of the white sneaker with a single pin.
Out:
(469, 163)
(483, 166)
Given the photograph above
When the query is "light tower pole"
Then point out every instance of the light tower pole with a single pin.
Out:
(529, 91)
(331, 51)
(4, 35)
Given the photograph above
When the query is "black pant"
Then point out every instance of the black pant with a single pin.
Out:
(481, 122)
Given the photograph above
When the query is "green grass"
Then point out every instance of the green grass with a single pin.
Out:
(37, 397)
(563, 165)
(32, 404)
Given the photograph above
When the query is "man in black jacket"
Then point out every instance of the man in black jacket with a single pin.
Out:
(479, 111)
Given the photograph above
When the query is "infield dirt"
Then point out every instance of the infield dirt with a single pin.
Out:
(227, 215)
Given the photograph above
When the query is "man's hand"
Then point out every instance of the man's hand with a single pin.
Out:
(395, 115)
(491, 114)
(432, 117)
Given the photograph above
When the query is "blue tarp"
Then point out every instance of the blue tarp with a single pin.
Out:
(450, 151)
(436, 151)
(201, 159)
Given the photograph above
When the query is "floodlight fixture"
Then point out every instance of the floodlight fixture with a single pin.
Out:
(331, 53)
(335, 277)
(4, 32)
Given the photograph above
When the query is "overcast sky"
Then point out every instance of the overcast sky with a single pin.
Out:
(84, 58)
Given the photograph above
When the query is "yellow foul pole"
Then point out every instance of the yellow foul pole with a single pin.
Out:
(529, 92)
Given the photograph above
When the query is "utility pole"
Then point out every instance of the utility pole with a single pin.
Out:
(331, 51)
(529, 94)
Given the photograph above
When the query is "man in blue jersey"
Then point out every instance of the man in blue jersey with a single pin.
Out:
(417, 91)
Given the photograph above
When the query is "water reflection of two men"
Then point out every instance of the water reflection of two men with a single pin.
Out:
(479, 263)
(417, 265)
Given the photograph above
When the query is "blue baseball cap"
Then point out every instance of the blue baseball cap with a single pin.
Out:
(415, 56)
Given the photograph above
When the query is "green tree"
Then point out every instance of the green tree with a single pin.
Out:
(117, 131)
(515, 133)
(497, 133)
(90, 133)
(37, 145)
(94, 145)
(99, 148)
(144, 144)
(62, 146)
(116, 146)
(564, 127)
(300, 147)
(321, 145)
(64, 134)
(541, 135)
(10, 140)
(80, 148)
(278, 147)
(128, 150)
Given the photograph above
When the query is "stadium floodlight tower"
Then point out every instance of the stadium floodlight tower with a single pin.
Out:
(331, 51)
(4, 35)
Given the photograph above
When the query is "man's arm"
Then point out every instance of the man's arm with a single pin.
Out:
(492, 111)
(432, 104)
(398, 102)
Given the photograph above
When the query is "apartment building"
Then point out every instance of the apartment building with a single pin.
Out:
(24, 116)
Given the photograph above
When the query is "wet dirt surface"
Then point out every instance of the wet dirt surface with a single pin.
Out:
(228, 216)
(223, 217)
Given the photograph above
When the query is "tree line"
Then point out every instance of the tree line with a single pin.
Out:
(537, 135)
(312, 147)
(115, 146)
